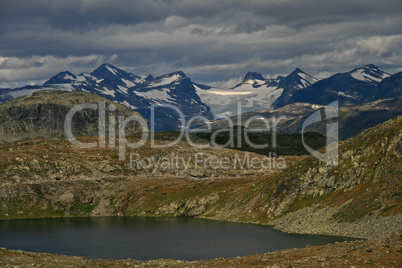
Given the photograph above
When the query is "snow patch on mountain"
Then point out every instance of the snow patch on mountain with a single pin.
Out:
(128, 105)
(80, 78)
(112, 70)
(247, 87)
(128, 83)
(68, 77)
(229, 93)
(124, 90)
(343, 94)
(225, 102)
(362, 76)
(369, 73)
(263, 98)
(159, 95)
(165, 81)
(306, 79)
(108, 91)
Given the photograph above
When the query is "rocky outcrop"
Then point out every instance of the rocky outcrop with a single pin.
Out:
(193, 207)
(359, 197)
(43, 114)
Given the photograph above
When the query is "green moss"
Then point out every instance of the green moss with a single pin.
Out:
(17, 209)
(3, 166)
(82, 209)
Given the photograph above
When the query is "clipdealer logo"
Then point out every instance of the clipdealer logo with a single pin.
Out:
(330, 156)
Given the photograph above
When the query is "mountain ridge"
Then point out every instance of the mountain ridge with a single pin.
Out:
(255, 92)
(349, 88)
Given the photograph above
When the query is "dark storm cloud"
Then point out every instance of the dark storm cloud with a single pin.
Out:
(209, 40)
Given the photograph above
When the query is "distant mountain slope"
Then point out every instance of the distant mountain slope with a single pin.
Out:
(43, 115)
(349, 88)
(174, 89)
(390, 87)
(255, 93)
(7, 94)
(352, 120)
(295, 81)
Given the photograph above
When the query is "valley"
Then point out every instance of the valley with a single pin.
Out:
(361, 201)
(44, 175)
(364, 188)
(171, 133)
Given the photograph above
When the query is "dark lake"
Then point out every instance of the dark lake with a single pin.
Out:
(145, 238)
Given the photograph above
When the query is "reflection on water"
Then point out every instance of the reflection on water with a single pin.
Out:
(145, 238)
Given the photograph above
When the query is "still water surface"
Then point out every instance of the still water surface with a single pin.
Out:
(145, 238)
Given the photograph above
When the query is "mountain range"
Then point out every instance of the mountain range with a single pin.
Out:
(355, 87)
(358, 86)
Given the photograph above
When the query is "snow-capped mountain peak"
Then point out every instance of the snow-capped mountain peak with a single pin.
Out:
(149, 78)
(293, 82)
(369, 73)
(297, 79)
(251, 80)
(61, 78)
(115, 76)
(107, 68)
(252, 76)
(167, 79)
(304, 79)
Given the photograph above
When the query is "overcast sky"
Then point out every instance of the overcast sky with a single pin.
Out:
(213, 42)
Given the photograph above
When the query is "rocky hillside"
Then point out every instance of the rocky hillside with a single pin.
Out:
(57, 160)
(43, 113)
(364, 189)
(361, 197)
(52, 178)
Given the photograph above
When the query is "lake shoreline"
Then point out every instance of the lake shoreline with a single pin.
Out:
(384, 252)
(208, 203)
(147, 238)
